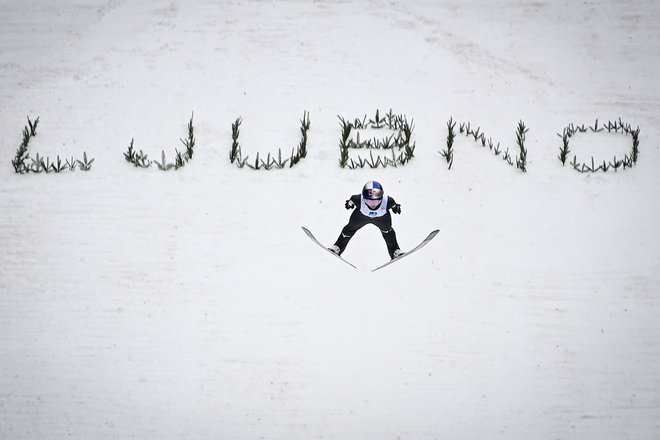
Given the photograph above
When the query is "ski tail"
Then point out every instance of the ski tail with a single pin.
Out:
(424, 242)
(311, 236)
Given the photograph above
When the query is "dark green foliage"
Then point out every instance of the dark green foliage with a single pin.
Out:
(344, 142)
(235, 147)
(564, 150)
(22, 156)
(190, 142)
(33, 126)
(297, 153)
(46, 165)
(628, 161)
(85, 164)
(39, 164)
(163, 165)
(521, 161)
(402, 150)
(448, 153)
(477, 135)
(19, 160)
(180, 159)
(141, 160)
(72, 164)
(59, 166)
(377, 122)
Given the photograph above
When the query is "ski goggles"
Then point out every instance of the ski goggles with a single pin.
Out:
(373, 204)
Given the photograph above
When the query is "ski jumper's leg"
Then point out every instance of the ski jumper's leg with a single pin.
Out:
(384, 223)
(356, 222)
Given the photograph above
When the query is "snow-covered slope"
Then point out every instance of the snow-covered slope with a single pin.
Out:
(189, 304)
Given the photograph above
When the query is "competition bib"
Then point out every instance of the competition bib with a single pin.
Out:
(381, 211)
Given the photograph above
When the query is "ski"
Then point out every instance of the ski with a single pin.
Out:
(416, 248)
(311, 236)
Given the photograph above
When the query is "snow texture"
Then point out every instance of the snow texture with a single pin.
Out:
(189, 304)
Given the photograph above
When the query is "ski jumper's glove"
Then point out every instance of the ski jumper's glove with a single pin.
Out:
(396, 209)
(349, 204)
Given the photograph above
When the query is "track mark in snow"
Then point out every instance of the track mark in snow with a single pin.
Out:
(467, 51)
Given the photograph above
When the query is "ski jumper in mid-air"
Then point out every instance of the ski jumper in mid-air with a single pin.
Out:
(372, 206)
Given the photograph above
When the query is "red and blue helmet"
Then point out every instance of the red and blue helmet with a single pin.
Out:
(372, 191)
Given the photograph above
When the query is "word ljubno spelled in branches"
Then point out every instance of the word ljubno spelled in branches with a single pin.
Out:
(396, 148)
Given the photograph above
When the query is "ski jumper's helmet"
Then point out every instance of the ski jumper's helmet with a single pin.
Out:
(372, 193)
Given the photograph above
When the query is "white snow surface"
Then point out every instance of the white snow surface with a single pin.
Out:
(190, 305)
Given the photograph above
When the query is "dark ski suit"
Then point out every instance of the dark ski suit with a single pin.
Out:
(380, 217)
